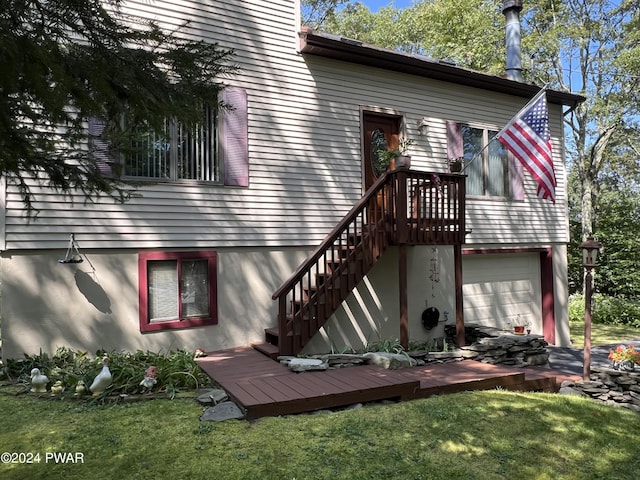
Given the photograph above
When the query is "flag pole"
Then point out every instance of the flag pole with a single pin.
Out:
(513, 119)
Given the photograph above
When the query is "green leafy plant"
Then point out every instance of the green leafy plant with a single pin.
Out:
(384, 157)
(389, 345)
(176, 370)
(607, 310)
(403, 147)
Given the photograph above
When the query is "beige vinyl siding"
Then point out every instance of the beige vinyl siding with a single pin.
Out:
(304, 150)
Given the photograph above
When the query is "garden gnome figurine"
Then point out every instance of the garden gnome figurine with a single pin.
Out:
(38, 381)
(149, 379)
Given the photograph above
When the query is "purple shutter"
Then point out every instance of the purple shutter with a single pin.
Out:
(455, 146)
(234, 137)
(516, 178)
(98, 147)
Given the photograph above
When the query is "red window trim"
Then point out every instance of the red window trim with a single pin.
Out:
(212, 319)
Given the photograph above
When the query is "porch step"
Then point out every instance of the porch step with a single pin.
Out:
(271, 351)
(271, 335)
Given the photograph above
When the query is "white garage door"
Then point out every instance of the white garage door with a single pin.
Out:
(498, 288)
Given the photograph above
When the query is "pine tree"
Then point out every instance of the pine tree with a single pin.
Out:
(66, 61)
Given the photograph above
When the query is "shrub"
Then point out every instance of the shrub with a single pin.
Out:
(606, 310)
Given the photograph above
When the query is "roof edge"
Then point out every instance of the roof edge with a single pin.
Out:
(354, 51)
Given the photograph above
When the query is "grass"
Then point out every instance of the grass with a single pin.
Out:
(602, 334)
(480, 435)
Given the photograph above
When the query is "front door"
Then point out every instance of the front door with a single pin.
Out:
(381, 132)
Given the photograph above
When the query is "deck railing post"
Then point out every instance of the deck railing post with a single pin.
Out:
(402, 237)
(285, 341)
(401, 221)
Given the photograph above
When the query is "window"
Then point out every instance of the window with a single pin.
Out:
(177, 290)
(490, 169)
(486, 168)
(216, 151)
(176, 153)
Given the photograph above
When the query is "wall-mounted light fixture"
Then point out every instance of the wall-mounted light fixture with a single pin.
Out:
(423, 126)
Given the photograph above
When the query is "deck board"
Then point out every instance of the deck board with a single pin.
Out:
(262, 386)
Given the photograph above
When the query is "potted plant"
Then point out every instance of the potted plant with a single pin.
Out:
(624, 357)
(394, 158)
(519, 326)
(456, 164)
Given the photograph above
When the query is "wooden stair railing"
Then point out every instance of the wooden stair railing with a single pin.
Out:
(434, 206)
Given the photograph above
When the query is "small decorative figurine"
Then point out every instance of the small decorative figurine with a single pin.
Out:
(102, 380)
(57, 388)
(38, 381)
(81, 388)
(149, 379)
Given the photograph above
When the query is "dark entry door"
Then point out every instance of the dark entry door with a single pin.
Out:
(381, 132)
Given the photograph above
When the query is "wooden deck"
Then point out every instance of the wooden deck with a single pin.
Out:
(264, 387)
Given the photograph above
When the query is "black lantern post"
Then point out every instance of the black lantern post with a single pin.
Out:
(590, 249)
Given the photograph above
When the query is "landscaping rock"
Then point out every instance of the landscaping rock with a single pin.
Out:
(390, 361)
(221, 412)
(212, 397)
(307, 364)
(537, 359)
(490, 345)
(608, 386)
(340, 360)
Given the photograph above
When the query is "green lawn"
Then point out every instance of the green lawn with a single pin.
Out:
(602, 334)
(481, 435)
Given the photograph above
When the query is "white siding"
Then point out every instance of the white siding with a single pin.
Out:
(304, 147)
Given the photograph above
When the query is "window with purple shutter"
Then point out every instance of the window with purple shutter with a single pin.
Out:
(99, 148)
(455, 148)
(215, 150)
(491, 171)
(234, 137)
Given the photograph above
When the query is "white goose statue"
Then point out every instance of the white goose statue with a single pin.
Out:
(38, 381)
(102, 380)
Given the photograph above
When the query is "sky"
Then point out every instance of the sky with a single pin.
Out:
(375, 5)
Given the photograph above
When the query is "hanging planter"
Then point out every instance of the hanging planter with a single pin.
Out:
(73, 252)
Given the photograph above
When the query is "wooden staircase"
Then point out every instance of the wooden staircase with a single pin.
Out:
(402, 208)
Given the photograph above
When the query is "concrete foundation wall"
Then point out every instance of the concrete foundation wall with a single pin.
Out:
(371, 313)
(45, 304)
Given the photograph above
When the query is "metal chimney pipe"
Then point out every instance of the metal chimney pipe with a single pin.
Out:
(511, 10)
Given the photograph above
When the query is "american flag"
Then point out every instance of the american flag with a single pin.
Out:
(528, 138)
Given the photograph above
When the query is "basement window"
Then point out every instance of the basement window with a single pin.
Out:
(177, 290)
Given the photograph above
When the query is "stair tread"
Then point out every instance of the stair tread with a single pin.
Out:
(267, 349)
